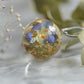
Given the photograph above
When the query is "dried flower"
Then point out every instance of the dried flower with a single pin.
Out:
(9, 22)
(36, 27)
(7, 30)
(29, 36)
(17, 15)
(20, 25)
(11, 9)
(23, 28)
(3, 6)
(51, 39)
(7, 39)
(18, 19)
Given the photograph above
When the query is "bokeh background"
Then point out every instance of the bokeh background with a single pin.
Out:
(17, 67)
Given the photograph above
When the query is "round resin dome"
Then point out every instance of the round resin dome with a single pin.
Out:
(42, 39)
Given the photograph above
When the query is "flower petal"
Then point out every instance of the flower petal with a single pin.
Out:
(29, 36)
(36, 27)
(51, 39)
(46, 23)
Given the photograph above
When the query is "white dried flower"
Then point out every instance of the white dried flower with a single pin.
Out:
(20, 25)
(7, 39)
(23, 28)
(11, 10)
(3, 6)
(17, 15)
(18, 19)
(7, 30)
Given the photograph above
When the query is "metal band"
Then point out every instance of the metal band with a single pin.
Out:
(69, 29)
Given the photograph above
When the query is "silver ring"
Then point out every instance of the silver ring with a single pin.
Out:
(65, 31)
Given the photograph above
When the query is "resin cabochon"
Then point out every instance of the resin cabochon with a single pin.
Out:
(42, 38)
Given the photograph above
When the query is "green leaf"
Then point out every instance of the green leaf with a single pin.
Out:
(78, 14)
(44, 6)
(82, 56)
(81, 37)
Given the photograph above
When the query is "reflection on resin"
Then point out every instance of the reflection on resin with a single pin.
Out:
(42, 38)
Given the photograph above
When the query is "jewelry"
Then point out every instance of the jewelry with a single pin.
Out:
(43, 39)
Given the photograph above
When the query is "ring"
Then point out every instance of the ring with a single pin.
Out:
(42, 38)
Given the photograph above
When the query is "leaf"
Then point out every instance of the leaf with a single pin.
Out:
(81, 37)
(71, 42)
(62, 0)
(78, 14)
(82, 56)
(44, 6)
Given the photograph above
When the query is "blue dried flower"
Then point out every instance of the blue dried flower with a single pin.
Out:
(51, 39)
(36, 27)
(47, 23)
(29, 36)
